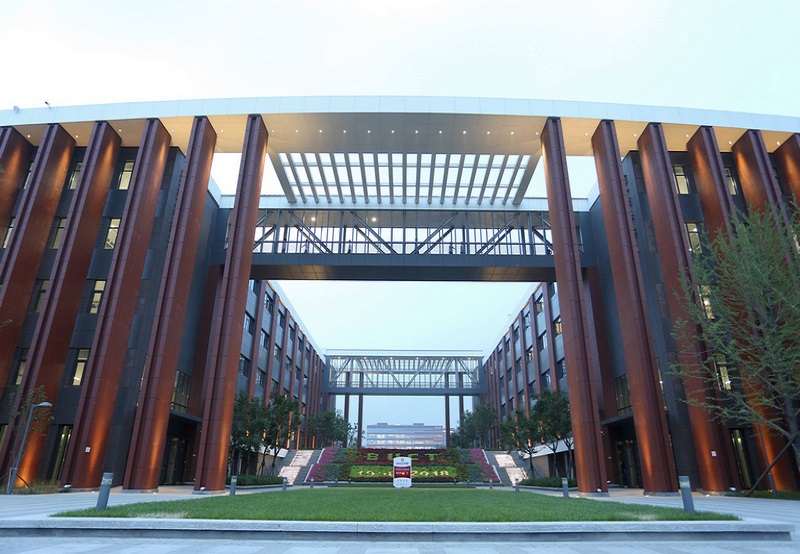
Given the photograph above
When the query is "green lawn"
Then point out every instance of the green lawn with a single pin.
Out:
(386, 504)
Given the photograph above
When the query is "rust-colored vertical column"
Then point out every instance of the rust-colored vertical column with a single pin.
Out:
(158, 378)
(652, 434)
(763, 194)
(589, 462)
(755, 172)
(86, 453)
(15, 158)
(714, 450)
(35, 213)
(787, 162)
(226, 337)
(53, 332)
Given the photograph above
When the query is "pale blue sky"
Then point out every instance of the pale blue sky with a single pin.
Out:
(741, 56)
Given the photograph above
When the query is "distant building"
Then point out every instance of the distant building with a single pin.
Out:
(418, 435)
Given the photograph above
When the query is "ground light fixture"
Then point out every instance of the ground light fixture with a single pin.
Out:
(12, 478)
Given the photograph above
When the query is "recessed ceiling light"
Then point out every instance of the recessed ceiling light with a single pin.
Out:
(295, 130)
(172, 130)
(368, 131)
(320, 130)
(222, 130)
(374, 219)
(76, 136)
(416, 131)
(344, 131)
(488, 132)
(779, 143)
(313, 219)
(730, 142)
(272, 131)
(392, 131)
(440, 131)
(634, 134)
(463, 132)
(120, 130)
(586, 134)
(29, 136)
(512, 132)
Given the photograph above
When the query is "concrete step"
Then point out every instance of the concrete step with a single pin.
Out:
(508, 467)
(296, 469)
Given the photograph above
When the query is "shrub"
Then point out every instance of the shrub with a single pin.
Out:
(548, 482)
(256, 480)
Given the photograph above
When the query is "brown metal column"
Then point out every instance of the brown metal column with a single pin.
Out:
(35, 213)
(56, 322)
(787, 162)
(652, 434)
(714, 449)
(15, 158)
(145, 454)
(755, 173)
(763, 194)
(589, 462)
(87, 449)
(226, 337)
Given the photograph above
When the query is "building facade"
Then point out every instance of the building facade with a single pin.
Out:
(136, 300)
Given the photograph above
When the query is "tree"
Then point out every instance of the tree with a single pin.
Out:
(745, 314)
(521, 432)
(329, 427)
(249, 424)
(550, 410)
(283, 420)
(475, 427)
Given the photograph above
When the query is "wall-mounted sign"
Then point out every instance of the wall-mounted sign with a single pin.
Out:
(402, 472)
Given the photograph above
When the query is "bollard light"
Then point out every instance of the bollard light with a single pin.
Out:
(234, 479)
(105, 489)
(686, 493)
(516, 485)
(284, 484)
(565, 487)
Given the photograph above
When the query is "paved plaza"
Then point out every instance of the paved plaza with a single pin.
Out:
(30, 509)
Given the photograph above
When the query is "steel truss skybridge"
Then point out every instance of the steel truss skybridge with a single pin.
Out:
(407, 373)
(407, 242)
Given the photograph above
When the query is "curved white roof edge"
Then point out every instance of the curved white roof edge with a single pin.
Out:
(398, 104)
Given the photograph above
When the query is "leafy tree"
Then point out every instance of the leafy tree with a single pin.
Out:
(550, 410)
(329, 427)
(249, 425)
(475, 427)
(283, 420)
(522, 433)
(747, 321)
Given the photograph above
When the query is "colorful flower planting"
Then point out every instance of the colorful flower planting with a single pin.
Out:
(429, 466)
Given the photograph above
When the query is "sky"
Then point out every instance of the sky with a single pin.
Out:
(728, 55)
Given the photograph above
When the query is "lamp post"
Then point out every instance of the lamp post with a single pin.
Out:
(12, 478)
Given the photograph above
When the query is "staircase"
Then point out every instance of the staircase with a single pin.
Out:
(296, 469)
(507, 467)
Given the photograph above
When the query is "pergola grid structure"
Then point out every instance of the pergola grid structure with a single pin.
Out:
(405, 176)
(424, 373)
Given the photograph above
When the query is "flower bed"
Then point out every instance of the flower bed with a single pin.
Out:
(428, 466)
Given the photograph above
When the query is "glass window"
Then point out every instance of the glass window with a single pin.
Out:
(281, 320)
(561, 369)
(125, 176)
(680, 178)
(622, 394)
(557, 327)
(20, 363)
(180, 394)
(733, 183)
(38, 296)
(249, 323)
(80, 366)
(7, 234)
(76, 173)
(539, 304)
(541, 341)
(264, 339)
(261, 378)
(723, 372)
(58, 232)
(269, 303)
(244, 366)
(111, 234)
(693, 233)
(98, 288)
(705, 293)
